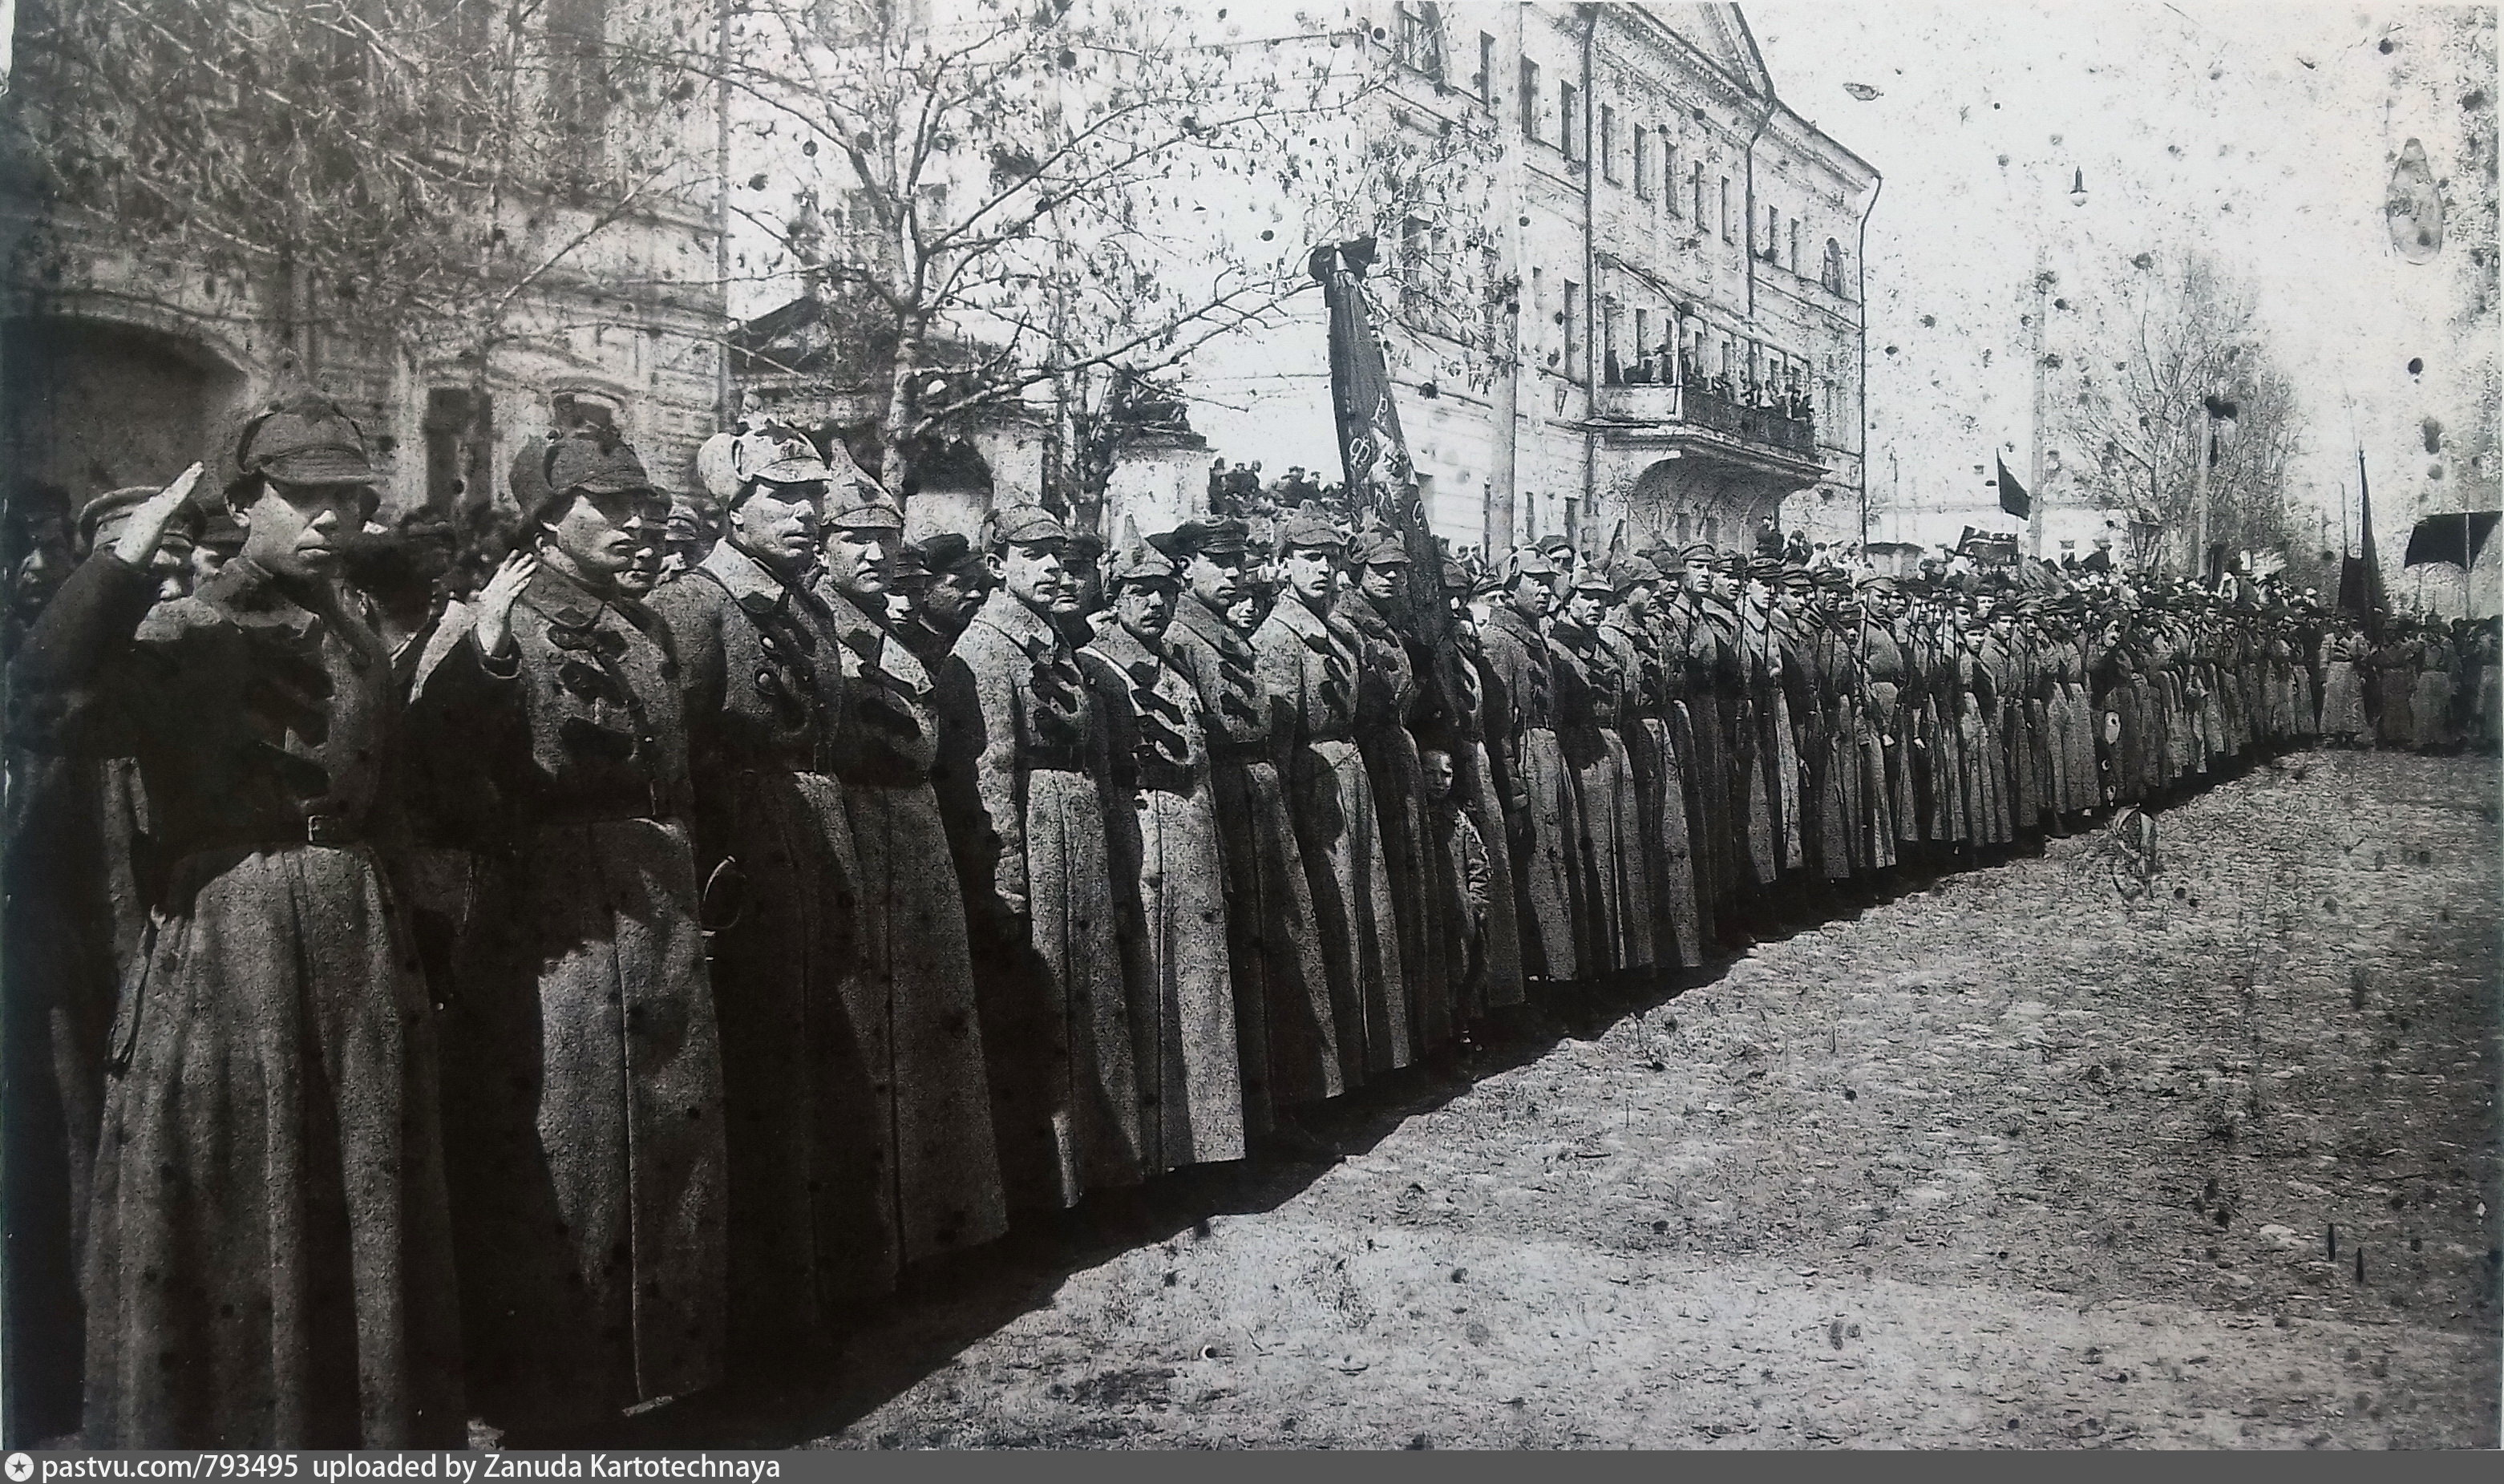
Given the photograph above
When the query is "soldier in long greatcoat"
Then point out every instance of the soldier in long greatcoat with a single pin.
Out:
(918, 1064)
(1166, 872)
(1618, 907)
(1537, 786)
(1283, 1021)
(79, 878)
(1308, 662)
(586, 1148)
(1643, 712)
(772, 846)
(1022, 725)
(269, 1258)
(1462, 733)
(1391, 705)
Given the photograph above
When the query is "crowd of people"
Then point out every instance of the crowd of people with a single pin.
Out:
(543, 970)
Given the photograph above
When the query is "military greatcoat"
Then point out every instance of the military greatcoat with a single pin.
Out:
(1065, 1071)
(1617, 880)
(915, 1030)
(269, 1258)
(1165, 867)
(1530, 764)
(1389, 704)
(1283, 1021)
(1464, 735)
(587, 1150)
(1660, 803)
(774, 849)
(1308, 662)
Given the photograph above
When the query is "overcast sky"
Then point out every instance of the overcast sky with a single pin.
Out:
(2264, 133)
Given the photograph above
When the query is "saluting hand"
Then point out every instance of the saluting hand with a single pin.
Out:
(146, 529)
(495, 602)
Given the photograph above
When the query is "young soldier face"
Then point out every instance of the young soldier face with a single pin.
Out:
(1310, 574)
(1439, 775)
(1382, 583)
(1216, 577)
(1083, 576)
(288, 530)
(1034, 576)
(1699, 577)
(778, 524)
(1145, 608)
(599, 533)
(860, 560)
(954, 596)
(1532, 597)
(1585, 608)
(1638, 601)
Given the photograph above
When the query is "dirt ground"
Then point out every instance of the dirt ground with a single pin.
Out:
(2010, 1160)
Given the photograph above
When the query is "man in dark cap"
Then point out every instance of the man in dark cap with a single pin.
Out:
(1284, 1025)
(1083, 571)
(1390, 701)
(1166, 872)
(1308, 665)
(587, 1159)
(35, 543)
(773, 845)
(924, 1176)
(960, 580)
(1531, 770)
(263, 713)
(1025, 730)
(101, 524)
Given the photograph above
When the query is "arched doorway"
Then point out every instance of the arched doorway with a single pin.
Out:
(92, 406)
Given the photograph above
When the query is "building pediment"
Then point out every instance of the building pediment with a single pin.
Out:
(1720, 33)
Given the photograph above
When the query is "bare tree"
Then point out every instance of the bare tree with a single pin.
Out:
(395, 171)
(1021, 200)
(2191, 342)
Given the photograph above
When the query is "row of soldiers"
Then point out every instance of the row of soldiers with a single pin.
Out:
(619, 978)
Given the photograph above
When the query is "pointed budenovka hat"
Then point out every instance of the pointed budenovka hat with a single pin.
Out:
(1134, 560)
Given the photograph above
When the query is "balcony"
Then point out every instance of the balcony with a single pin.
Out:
(1694, 415)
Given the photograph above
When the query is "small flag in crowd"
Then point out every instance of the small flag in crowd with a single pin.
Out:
(2013, 497)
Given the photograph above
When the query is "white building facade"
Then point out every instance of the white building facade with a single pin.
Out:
(1638, 299)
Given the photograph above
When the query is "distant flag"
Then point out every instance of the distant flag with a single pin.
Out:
(2454, 538)
(2360, 578)
(2013, 497)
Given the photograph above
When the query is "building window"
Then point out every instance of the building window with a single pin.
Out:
(1420, 41)
(1486, 69)
(1669, 172)
(1695, 179)
(1794, 243)
(578, 78)
(1643, 163)
(1830, 273)
(1642, 334)
(1572, 331)
(1568, 98)
(1607, 141)
(1530, 100)
(1727, 226)
(1773, 232)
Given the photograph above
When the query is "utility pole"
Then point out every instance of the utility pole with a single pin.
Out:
(2200, 497)
(2034, 461)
